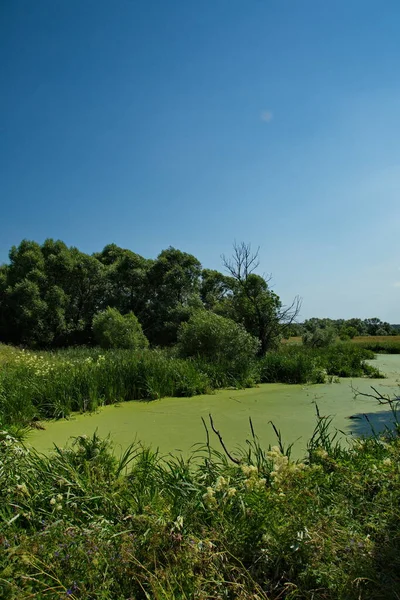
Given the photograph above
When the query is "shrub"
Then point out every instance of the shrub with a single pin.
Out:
(320, 337)
(296, 364)
(113, 330)
(347, 333)
(219, 341)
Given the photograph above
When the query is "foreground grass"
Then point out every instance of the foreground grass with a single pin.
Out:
(36, 386)
(85, 525)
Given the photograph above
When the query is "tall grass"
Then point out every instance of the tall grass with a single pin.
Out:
(298, 364)
(379, 344)
(85, 524)
(35, 386)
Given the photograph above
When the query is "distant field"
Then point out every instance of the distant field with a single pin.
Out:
(293, 340)
(387, 344)
(379, 343)
(371, 339)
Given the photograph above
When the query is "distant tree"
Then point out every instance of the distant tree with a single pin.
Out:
(253, 303)
(382, 331)
(358, 324)
(347, 332)
(111, 329)
(294, 330)
(316, 323)
(320, 337)
(374, 325)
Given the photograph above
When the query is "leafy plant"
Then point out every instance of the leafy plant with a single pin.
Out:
(219, 341)
(113, 330)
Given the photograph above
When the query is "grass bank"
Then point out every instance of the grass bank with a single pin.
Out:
(379, 343)
(42, 385)
(298, 364)
(82, 524)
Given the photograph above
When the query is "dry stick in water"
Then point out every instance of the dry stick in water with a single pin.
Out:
(208, 439)
(377, 396)
(217, 433)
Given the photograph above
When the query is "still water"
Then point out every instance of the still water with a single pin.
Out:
(174, 424)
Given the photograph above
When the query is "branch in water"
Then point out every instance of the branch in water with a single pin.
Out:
(217, 433)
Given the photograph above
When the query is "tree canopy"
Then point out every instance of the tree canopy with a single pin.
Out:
(50, 293)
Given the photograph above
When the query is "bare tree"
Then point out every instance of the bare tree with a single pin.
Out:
(269, 319)
(243, 261)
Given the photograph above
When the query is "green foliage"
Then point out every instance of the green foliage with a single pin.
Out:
(319, 337)
(113, 330)
(215, 288)
(351, 327)
(126, 279)
(257, 307)
(220, 342)
(52, 385)
(385, 346)
(174, 280)
(347, 333)
(297, 364)
(85, 523)
(50, 293)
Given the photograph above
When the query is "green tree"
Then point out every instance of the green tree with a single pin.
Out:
(173, 295)
(85, 291)
(215, 288)
(358, 324)
(253, 303)
(347, 332)
(319, 337)
(49, 294)
(375, 326)
(126, 279)
(113, 330)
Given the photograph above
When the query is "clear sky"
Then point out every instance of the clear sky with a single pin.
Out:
(191, 123)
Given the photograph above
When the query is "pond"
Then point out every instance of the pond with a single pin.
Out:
(175, 424)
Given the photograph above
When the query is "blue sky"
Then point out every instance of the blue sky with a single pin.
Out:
(152, 123)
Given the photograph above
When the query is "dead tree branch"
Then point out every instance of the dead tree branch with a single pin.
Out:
(221, 441)
(381, 398)
(243, 262)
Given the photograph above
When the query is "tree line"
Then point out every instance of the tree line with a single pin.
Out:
(345, 328)
(51, 294)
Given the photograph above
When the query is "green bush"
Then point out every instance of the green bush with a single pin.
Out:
(291, 365)
(220, 342)
(320, 337)
(113, 330)
(299, 364)
(348, 333)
